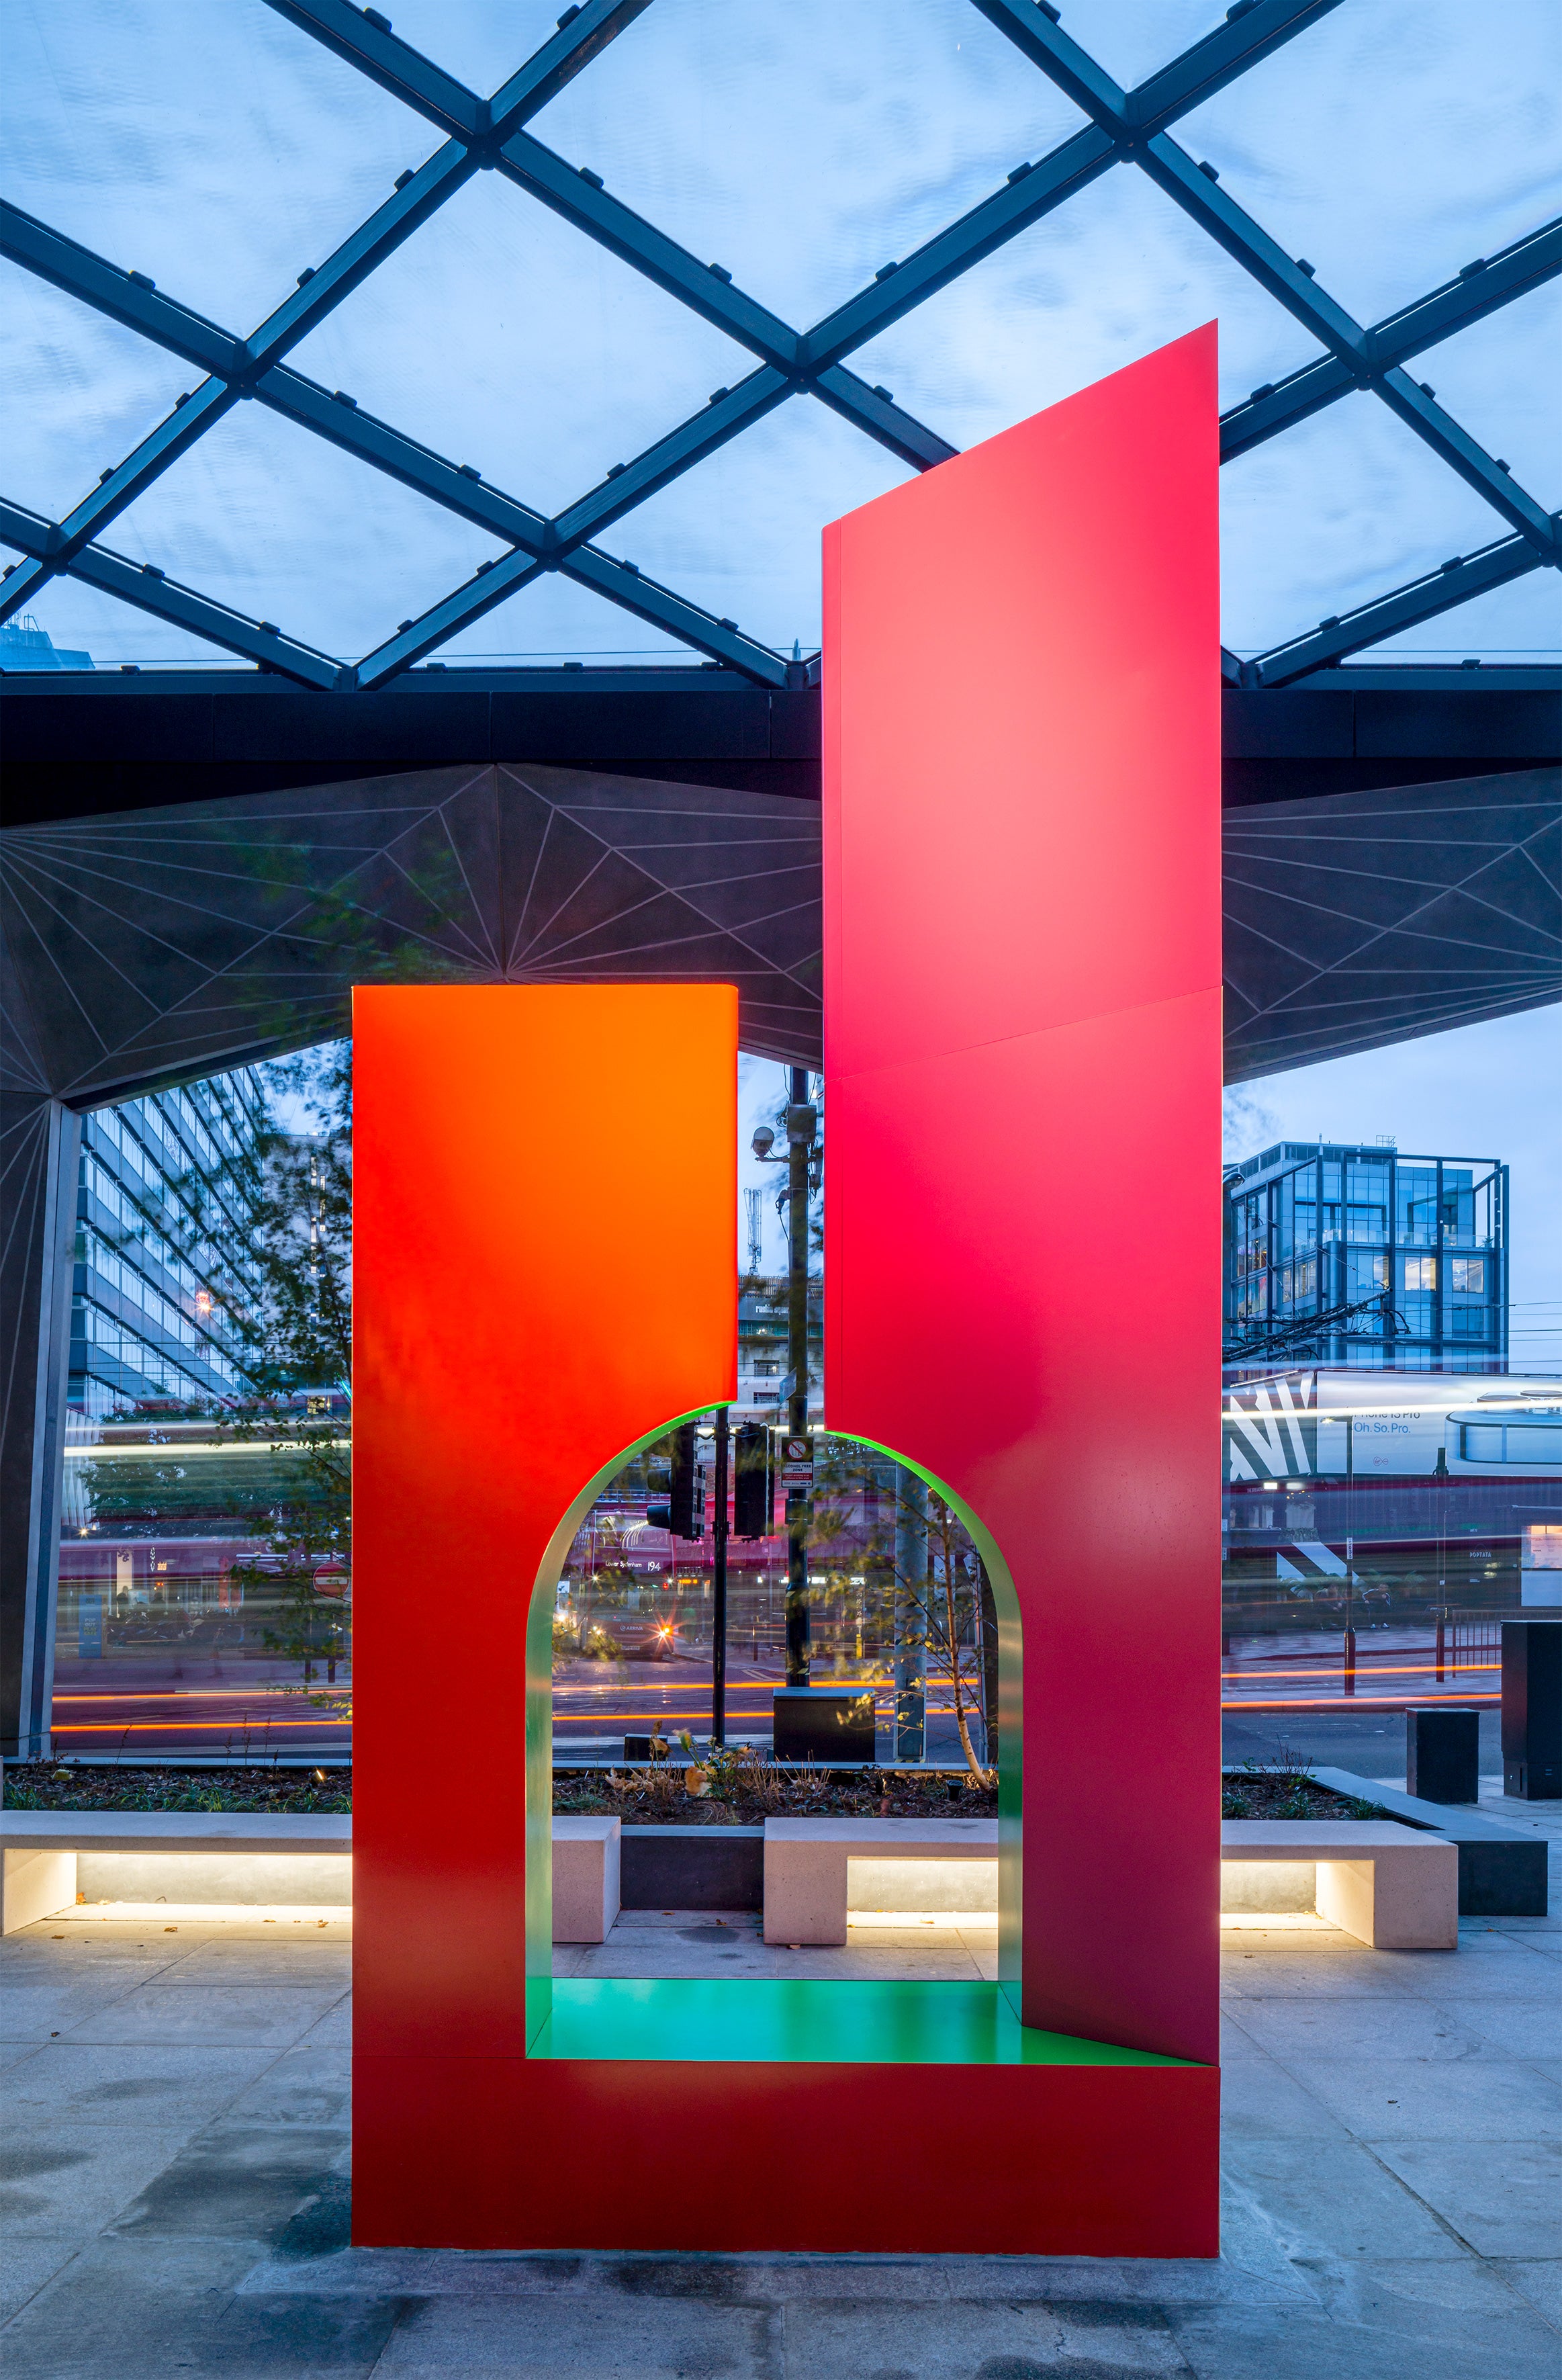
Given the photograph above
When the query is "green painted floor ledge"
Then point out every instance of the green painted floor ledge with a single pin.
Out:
(807, 2022)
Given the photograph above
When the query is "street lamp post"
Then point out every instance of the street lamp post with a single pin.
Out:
(803, 1162)
(718, 1586)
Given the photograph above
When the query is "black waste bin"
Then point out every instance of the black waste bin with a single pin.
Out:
(834, 1727)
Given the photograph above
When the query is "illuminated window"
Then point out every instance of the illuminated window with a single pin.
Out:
(1421, 1272)
(1468, 1275)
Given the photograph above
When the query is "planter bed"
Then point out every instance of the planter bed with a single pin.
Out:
(1293, 1795)
(42, 1785)
(1502, 1869)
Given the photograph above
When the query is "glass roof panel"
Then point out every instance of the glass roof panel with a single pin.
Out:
(219, 150)
(741, 532)
(1520, 622)
(1117, 272)
(553, 620)
(803, 147)
(1131, 40)
(77, 393)
(1487, 379)
(79, 618)
(268, 517)
(479, 44)
(500, 336)
(1389, 145)
(215, 148)
(1346, 507)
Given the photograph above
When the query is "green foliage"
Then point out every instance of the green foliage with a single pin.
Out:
(938, 1604)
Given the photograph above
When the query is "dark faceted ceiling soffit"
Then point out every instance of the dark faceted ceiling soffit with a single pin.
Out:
(155, 945)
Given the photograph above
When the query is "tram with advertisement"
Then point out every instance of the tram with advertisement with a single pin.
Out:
(1419, 1503)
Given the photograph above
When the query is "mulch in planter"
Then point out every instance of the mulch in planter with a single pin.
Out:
(1289, 1793)
(641, 1796)
(657, 1796)
(755, 1791)
(39, 1785)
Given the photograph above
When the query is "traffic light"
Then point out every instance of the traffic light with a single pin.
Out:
(685, 1502)
(754, 1486)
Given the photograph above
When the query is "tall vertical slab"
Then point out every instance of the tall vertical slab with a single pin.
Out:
(501, 1369)
(1023, 1063)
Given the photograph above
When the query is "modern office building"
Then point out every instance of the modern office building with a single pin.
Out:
(762, 1346)
(1417, 1245)
(25, 646)
(145, 1326)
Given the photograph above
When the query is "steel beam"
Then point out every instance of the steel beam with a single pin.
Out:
(367, 43)
(335, 416)
(1125, 125)
(444, 619)
(320, 288)
(1481, 288)
(1134, 122)
(1033, 191)
(119, 488)
(165, 599)
(1388, 615)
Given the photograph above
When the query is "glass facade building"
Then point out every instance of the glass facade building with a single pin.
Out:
(1312, 1229)
(145, 1327)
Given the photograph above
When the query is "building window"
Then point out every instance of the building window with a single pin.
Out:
(1468, 1274)
(1421, 1272)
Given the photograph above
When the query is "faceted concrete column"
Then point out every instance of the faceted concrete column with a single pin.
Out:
(40, 1141)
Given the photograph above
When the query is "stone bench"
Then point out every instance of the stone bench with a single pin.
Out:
(819, 1870)
(585, 1878)
(1389, 1886)
(245, 1860)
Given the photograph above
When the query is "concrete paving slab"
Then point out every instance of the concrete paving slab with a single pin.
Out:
(1291, 1967)
(147, 2310)
(1501, 2199)
(240, 2179)
(1259, 2101)
(1492, 2098)
(131, 2087)
(1299, 2030)
(36, 2011)
(1432, 2256)
(1496, 1967)
(26, 2264)
(1333, 2197)
(1245, 2343)
(610, 2333)
(1539, 2278)
(240, 2015)
(313, 1965)
(64, 2179)
(953, 2341)
(336, 2026)
(311, 2084)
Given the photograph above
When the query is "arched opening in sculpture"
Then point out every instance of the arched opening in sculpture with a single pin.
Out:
(1006, 1724)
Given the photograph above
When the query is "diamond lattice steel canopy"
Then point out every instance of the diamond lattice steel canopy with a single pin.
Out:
(510, 221)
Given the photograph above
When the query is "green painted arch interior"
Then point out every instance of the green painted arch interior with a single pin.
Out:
(757, 2021)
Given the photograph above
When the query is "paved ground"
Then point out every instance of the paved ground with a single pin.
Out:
(173, 2189)
(1371, 1742)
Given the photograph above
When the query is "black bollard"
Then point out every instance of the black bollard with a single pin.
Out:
(1532, 1709)
(1442, 1753)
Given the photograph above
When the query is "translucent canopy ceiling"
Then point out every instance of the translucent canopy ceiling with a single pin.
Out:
(339, 346)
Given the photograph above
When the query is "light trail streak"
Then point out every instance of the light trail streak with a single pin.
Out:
(1426, 1670)
(193, 1726)
(1334, 1702)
